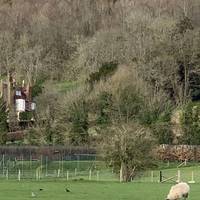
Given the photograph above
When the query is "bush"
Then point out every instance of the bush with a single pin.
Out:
(26, 116)
(80, 124)
(104, 103)
(106, 70)
(38, 86)
(191, 123)
(128, 147)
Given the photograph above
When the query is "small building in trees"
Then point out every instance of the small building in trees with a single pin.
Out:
(19, 106)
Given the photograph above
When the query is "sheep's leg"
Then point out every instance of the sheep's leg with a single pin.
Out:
(185, 196)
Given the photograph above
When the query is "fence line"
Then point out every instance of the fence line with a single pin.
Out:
(79, 167)
(75, 164)
(169, 176)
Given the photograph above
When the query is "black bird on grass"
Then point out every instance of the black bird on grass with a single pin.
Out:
(67, 190)
(41, 189)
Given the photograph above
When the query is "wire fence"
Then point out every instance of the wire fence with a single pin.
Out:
(68, 167)
(58, 163)
(187, 173)
(169, 176)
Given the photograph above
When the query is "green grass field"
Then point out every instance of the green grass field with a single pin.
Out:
(82, 190)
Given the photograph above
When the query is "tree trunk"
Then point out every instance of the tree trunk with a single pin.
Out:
(125, 173)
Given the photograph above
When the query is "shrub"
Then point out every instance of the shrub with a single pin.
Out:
(191, 123)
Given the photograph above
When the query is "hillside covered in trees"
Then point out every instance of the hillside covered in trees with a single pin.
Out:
(106, 65)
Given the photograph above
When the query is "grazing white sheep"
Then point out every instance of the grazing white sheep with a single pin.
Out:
(178, 191)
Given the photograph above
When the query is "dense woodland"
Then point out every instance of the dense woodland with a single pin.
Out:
(104, 67)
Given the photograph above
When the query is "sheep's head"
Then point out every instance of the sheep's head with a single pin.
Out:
(172, 197)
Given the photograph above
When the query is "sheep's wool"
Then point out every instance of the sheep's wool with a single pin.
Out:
(178, 191)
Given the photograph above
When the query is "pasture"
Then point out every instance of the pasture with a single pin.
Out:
(82, 186)
(84, 190)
